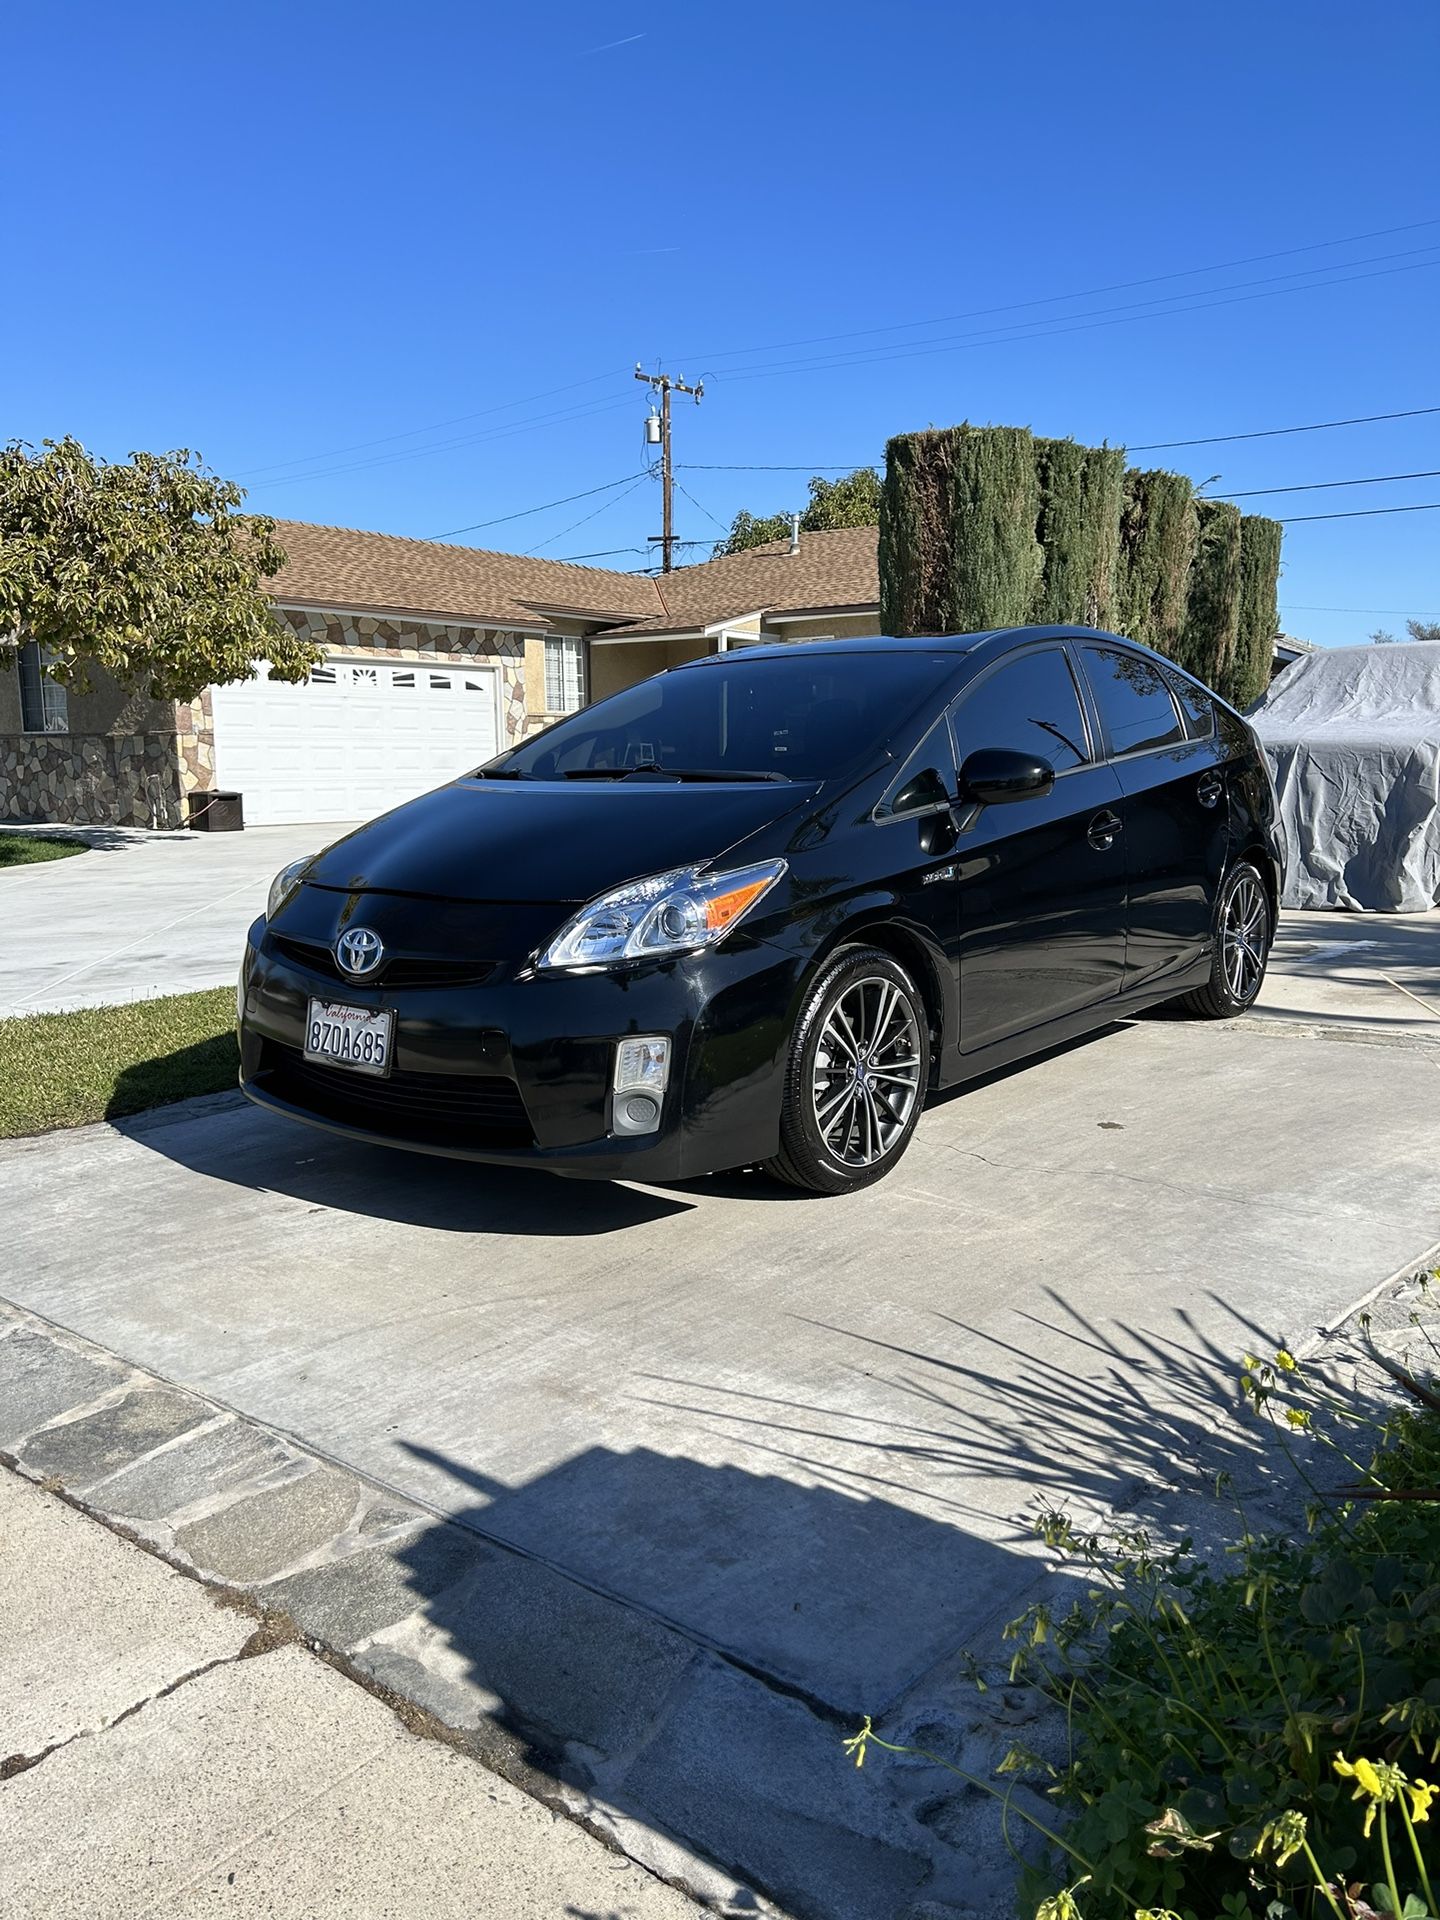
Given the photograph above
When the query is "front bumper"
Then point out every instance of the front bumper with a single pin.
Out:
(517, 1071)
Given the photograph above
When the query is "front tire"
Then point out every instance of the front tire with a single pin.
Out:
(856, 1077)
(1244, 928)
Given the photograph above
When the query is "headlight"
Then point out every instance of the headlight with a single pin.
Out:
(284, 884)
(666, 914)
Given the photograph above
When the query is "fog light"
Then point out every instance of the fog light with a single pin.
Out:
(642, 1071)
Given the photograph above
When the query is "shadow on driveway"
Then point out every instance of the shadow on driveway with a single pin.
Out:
(248, 1147)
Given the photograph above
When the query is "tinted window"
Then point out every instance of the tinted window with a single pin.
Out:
(1029, 704)
(1133, 699)
(926, 780)
(802, 714)
(1197, 709)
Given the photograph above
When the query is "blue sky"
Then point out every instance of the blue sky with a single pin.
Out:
(391, 266)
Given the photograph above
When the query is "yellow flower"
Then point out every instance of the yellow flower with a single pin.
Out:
(1421, 1794)
(1297, 1416)
(1286, 1361)
(1375, 1780)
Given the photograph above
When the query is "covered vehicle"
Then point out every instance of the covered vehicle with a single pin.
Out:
(1352, 735)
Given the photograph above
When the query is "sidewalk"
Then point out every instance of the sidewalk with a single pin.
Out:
(155, 1761)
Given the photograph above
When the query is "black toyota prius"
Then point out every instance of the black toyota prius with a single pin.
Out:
(754, 910)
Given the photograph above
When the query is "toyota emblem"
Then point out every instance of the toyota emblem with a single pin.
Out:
(358, 950)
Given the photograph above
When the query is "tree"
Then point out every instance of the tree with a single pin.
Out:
(851, 501)
(1380, 638)
(959, 550)
(1424, 630)
(146, 569)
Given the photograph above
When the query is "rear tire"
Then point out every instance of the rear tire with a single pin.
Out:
(1244, 928)
(857, 1075)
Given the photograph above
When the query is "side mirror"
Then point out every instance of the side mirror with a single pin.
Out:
(993, 775)
(924, 792)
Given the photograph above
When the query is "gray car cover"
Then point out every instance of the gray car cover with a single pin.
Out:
(1352, 735)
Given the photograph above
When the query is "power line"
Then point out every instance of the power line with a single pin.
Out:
(704, 509)
(563, 415)
(605, 553)
(1085, 293)
(1271, 433)
(1151, 446)
(814, 466)
(604, 507)
(500, 519)
(1399, 613)
(1319, 486)
(1363, 513)
(1040, 330)
(459, 419)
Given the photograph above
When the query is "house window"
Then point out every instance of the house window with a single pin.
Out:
(44, 703)
(564, 675)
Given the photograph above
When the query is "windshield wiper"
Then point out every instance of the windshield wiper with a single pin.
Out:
(499, 773)
(669, 773)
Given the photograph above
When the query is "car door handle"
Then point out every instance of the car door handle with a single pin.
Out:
(1103, 829)
(1209, 788)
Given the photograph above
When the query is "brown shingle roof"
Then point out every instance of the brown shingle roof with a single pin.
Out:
(380, 572)
(831, 570)
(383, 573)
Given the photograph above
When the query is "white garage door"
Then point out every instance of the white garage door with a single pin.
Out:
(352, 740)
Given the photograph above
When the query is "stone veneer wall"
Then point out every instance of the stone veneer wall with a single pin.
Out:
(362, 635)
(92, 779)
(145, 779)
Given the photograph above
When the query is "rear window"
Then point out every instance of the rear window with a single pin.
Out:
(1134, 700)
(1197, 709)
(805, 716)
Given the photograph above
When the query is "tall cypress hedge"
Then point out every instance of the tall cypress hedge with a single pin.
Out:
(1259, 621)
(988, 527)
(1079, 532)
(1157, 544)
(959, 549)
(1212, 607)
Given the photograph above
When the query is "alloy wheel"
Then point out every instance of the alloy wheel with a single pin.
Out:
(866, 1080)
(1243, 937)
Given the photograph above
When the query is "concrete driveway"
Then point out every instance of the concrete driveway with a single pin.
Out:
(139, 914)
(801, 1434)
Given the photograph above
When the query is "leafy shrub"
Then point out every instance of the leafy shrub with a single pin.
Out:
(1249, 1740)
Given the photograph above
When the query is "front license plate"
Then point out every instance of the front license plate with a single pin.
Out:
(348, 1036)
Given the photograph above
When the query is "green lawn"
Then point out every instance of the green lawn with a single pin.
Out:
(21, 849)
(66, 1069)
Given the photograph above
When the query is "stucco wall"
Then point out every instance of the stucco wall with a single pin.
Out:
(838, 626)
(618, 664)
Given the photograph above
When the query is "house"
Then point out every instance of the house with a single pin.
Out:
(436, 657)
(1289, 649)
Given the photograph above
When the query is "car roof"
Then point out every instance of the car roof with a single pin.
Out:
(994, 639)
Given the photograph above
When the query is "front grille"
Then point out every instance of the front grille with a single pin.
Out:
(430, 1109)
(401, 971)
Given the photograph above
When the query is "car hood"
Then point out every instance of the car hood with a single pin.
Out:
(537, 841)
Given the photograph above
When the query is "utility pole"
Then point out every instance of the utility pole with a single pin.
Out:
(662, 383)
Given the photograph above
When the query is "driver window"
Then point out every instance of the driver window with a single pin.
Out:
(1029, 704)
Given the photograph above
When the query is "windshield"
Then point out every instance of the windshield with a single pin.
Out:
(802, 716)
